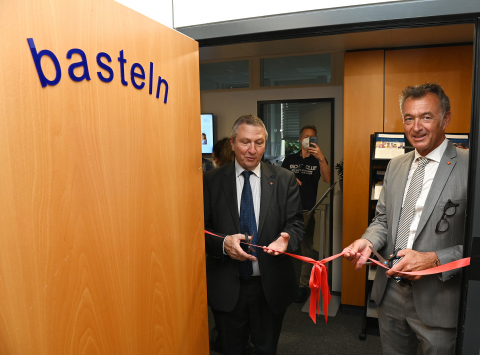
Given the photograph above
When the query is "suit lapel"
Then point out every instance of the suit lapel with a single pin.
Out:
(267, 185)
(447, 163)
(229, 184)
(399, 191)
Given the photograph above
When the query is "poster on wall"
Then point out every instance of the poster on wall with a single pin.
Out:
(207, 133)
(389, 145)
(459, 140)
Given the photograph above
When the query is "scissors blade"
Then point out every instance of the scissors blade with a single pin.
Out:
(380, 258)
(248, 240)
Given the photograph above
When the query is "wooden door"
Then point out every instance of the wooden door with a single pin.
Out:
(101, 213)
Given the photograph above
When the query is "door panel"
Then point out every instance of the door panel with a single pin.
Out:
(451, 67)
(101, 213)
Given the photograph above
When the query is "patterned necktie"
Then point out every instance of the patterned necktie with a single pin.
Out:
(248, 223)
(408, 209)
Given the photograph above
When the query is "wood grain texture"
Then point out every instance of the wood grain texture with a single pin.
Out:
(451, 67)
(363, 115)
(101, 212)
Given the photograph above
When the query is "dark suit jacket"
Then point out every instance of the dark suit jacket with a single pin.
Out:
(280, 211)
(436, 297)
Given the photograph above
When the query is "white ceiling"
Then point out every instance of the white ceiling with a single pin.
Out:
(344, 42)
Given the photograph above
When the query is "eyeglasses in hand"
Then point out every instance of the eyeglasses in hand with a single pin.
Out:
(448, 211)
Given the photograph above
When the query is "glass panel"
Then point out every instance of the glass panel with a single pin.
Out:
(278, 116)
(283, 122)
(297, 70)
(224, 75)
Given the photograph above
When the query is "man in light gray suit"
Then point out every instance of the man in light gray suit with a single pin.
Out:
(421, 213)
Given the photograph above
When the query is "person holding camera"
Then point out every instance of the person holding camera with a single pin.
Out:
(308, 165)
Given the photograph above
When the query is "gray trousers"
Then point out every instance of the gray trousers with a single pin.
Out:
(401, 330)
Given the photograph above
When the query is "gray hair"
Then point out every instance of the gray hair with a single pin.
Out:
(419, 91)
(249, 119)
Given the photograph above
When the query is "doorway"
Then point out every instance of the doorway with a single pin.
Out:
(283, 120)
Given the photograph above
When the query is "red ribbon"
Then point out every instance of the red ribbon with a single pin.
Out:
(319, 282)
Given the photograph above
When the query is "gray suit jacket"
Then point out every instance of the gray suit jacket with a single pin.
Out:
(280, 211)
(436, 297)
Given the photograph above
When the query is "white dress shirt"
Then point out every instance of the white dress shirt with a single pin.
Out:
(256, 194)
(430, 170)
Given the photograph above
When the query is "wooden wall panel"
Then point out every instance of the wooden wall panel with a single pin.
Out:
(451, 67)
(101, 212)
(363, 115)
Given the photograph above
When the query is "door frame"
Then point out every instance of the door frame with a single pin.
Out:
(469, 315)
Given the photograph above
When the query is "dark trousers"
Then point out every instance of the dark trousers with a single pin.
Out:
(251, 316)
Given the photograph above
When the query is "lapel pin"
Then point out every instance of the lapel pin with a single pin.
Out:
(448, 163)
(272, 182)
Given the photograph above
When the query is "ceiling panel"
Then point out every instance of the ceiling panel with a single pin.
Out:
(405, 37)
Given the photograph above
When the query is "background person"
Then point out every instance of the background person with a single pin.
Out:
(309, 164)
(249, 293)
(421, 211)
(222, 152)
(217, 149)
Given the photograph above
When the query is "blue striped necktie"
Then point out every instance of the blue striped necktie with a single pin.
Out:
(248, 223)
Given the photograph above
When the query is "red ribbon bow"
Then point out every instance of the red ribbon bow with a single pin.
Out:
(319, 280)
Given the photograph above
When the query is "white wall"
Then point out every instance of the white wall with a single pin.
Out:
(228, 105)
(158, 10)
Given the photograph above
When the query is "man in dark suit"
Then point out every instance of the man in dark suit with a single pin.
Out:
(421, 212)
(248, 290)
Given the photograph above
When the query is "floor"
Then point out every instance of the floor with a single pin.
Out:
(338, 337)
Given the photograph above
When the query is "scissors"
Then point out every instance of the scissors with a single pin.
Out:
(248, 240)
(389, 263)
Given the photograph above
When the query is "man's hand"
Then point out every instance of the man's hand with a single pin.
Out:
(358, 253)
(413, 261)
(234, 250)
(316, 152)
(299, 182)
(280, 244)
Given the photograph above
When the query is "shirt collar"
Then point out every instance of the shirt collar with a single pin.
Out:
(239, 170)
(436, 154)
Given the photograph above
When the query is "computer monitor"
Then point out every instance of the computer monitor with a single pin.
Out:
(207, 132)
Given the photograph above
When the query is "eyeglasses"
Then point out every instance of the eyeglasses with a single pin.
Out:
(448, 211)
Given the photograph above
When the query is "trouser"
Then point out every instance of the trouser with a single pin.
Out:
(251, 316)
(306, 248)
(401, 329)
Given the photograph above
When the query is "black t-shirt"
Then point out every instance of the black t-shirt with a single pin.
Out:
(308, 172)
